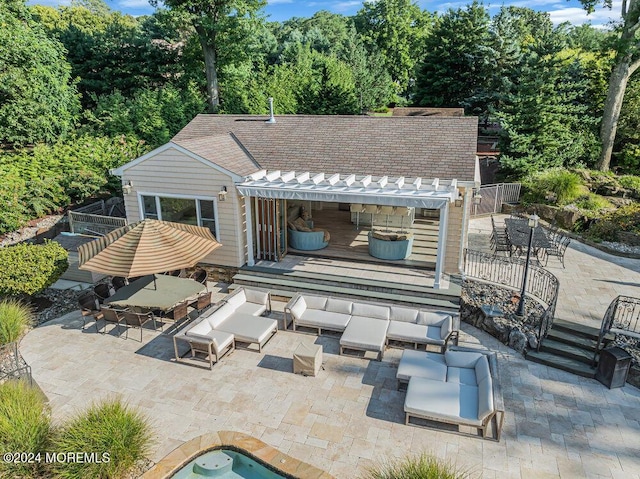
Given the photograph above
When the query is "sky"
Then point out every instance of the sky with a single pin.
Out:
(279, 10)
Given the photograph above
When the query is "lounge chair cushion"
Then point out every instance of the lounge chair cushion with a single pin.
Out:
(431, 318)
(407, 315)
(409, 332)
(462, 359)
(446, 328)
(373, 311)
(338, 306)
(365, 333)
(315, 302)
(258, 297)
(462, 375)
(482, 369)
(220, 315)
(421, 364)
(251, 308)
(324, 320)
(298, 309)
(201, 328)
(248, 328)
(434, 335)
(485, 398)
(437, 400)
(237, 299)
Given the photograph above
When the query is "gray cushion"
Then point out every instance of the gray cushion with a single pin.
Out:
(365, 333)
(443, 401)
(485, 398)
(432, 318)
(338, 306)
(462, 375)
(434, 335)
(299, 307)
(255, 296)
(370, 311)
(446, 328)
(482, 369)
(315, 302)
(220, 315)
(236, 299)
(403, 314)
(421, 364)
(251, 308)
(248, 328)
(404, 331)
(462, 359)
(201, 328)
(323, 319)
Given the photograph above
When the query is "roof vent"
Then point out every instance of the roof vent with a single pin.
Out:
(272, 119)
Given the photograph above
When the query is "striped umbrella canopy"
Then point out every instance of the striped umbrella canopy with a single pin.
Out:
(147, 247)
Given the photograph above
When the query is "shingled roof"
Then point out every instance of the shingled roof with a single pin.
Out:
(429, 147)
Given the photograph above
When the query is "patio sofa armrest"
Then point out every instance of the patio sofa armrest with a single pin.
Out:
(294, 310)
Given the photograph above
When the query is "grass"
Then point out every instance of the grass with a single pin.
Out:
(110, 427)
(593, 203)
(565, 185)
(15, 319)
(25, 426)
(418, 467)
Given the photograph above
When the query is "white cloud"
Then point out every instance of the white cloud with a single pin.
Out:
(49, 3)
(278, 2)
(345, 6)
(135, 4)
(578, 16)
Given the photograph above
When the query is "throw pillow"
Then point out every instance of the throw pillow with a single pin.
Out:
(292, 226)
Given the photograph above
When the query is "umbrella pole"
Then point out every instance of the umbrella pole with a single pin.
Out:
(155, 286)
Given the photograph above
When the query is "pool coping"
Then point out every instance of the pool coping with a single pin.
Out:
(244, 443)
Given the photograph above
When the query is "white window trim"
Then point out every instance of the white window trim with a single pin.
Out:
(184, 197)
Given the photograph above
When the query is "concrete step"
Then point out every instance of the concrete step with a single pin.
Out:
(293, 285)
(560, 362)
(571, 339)
(576, 329)
(568, 351)
(396, 287)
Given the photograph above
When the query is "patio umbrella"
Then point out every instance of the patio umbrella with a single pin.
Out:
(147, 247)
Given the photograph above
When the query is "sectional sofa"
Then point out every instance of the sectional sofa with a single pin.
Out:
(371, 326)
(459, 387)
(238, 316)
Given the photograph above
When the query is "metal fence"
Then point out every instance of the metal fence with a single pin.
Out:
(623, 319)
(494, 196)
(542, 286)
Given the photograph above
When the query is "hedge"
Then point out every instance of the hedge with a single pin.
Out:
(27, 269)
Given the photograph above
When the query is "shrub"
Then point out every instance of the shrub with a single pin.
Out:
(27, 269)
(25, 425)
(632, 183)
(592, 203)
(420, 467)
(110, 427)
(565, 185)
(15, 318)
(626, 218)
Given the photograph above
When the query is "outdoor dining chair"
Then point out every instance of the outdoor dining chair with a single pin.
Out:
(558, 248)
(102, 291)
(90, 309)
(178, 312)
(118, 282)
(201, 276)
(110, 315)
(202, 302)
(137, 320)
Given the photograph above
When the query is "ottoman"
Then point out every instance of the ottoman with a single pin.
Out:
(307, 359)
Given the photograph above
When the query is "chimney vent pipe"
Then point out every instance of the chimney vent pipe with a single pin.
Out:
(272, 119)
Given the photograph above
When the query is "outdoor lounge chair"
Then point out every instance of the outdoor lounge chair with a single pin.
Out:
(137, 320)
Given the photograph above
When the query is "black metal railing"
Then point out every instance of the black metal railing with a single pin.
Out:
(542, 286)
(621, 318)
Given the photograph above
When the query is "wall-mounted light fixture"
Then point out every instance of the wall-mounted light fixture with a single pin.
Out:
(222, 194)
(127, 187)
(477, 198)
(458, 202)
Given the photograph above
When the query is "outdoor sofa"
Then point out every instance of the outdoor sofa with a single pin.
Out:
(369, 326)
(238, 316)
(459, 387)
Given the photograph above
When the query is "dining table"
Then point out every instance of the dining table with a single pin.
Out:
(160, 292)
(518, 231)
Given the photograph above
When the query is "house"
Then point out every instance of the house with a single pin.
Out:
(243, 176)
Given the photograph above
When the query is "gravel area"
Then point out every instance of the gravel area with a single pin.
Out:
(623, 248)
(31, 231)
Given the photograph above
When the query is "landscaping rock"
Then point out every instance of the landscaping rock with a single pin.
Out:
(532, 339)
(518, 340)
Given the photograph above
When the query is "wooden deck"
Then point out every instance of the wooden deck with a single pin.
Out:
(350, 243)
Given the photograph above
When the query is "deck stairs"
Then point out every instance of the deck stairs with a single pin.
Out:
(570, 347)
(285, 283)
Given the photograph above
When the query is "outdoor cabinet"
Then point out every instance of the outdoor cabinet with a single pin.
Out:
(613, 367)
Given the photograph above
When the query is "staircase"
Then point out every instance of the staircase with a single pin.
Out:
(570, 347)
(285, 283)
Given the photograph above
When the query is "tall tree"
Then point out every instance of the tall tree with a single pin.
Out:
(38, 100)
(218, 23)
(459, 61)
(398, 28)
(626, 63)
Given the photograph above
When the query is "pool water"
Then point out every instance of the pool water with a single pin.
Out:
(225, 464)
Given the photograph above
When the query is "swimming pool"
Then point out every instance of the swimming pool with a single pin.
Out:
(225, 464)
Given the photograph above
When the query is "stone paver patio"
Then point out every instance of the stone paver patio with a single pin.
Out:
(350, 416)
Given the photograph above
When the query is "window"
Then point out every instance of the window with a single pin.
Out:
(191, 211)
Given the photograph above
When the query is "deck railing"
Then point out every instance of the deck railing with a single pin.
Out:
(494, 196)
(94, 225)
(542, 286)
(621, 318)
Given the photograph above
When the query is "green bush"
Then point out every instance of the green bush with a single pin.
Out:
(632, 183)
(626, 218)
(564, 184)
(27, 269)
(592, 203)
(110, 427)
(15, 319)
(25, 426)
(420, 467)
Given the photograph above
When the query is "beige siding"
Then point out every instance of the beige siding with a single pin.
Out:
(454, 234)
(172, 172)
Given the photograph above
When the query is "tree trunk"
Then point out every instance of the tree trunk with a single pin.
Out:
(209, 51)
(612, 106)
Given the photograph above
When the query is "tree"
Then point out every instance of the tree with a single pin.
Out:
(459, 61)
(398, 29)
(218, 24)
(626, 63)
(38, 99)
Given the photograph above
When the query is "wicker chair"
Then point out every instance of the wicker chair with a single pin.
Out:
(118, 282)
(137, 320)
(179, 312)
(111, 315)
(102, 291)
(202, 302)
(90, 308)
(201, 276)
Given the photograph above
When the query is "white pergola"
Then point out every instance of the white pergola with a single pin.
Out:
(366, 189)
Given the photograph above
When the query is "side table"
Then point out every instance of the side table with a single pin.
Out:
(307, 359)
